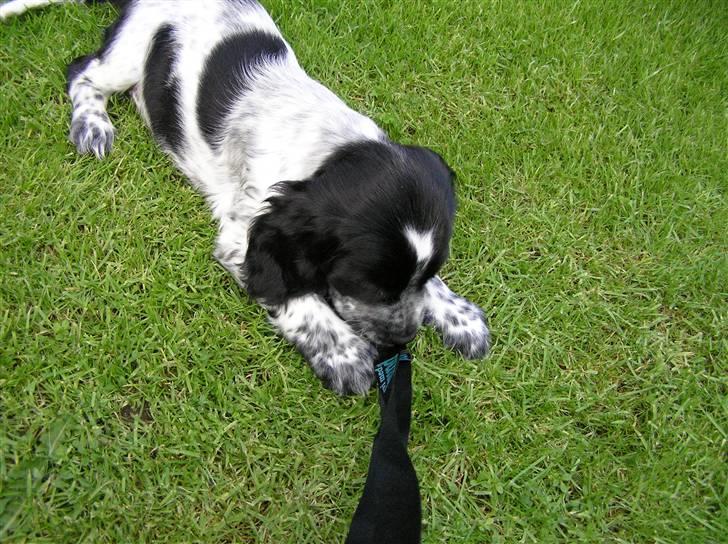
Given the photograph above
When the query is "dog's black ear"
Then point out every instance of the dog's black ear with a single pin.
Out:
(289, 248)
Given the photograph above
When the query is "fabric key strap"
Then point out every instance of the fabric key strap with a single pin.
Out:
(390, 509)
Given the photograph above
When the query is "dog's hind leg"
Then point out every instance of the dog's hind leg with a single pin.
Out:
(116, 67)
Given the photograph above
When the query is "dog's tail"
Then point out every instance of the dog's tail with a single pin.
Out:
(16, 7)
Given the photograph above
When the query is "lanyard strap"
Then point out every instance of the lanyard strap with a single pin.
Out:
(390, 508)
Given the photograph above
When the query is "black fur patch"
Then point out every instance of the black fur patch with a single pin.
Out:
(76, 67)
(383, 189)
(227, 74)
(113, 30)
(344, 227)
(79, 65)
(161, 89)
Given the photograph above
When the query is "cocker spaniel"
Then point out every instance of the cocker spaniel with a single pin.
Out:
(335, 229)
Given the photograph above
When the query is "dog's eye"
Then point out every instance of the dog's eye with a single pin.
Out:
(374, 295)
(387, 298)
(365, 291)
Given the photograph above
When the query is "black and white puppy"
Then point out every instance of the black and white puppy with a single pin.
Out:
(336, 230)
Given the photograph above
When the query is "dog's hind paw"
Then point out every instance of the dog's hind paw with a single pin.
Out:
(92, 132)
(11, 9)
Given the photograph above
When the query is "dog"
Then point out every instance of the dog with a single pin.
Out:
(336, 230)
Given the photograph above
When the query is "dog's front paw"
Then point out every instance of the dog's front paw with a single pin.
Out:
(345, 364)
(340, 358)
(92, 132)
(466, 331)
(461, 323)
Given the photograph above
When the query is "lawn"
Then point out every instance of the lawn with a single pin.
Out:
(143, 398)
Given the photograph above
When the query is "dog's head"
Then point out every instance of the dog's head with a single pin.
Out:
(366, 232)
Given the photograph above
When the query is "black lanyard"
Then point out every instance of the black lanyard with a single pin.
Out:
(390, 509)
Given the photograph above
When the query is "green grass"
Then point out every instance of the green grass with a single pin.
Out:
(144, 399)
